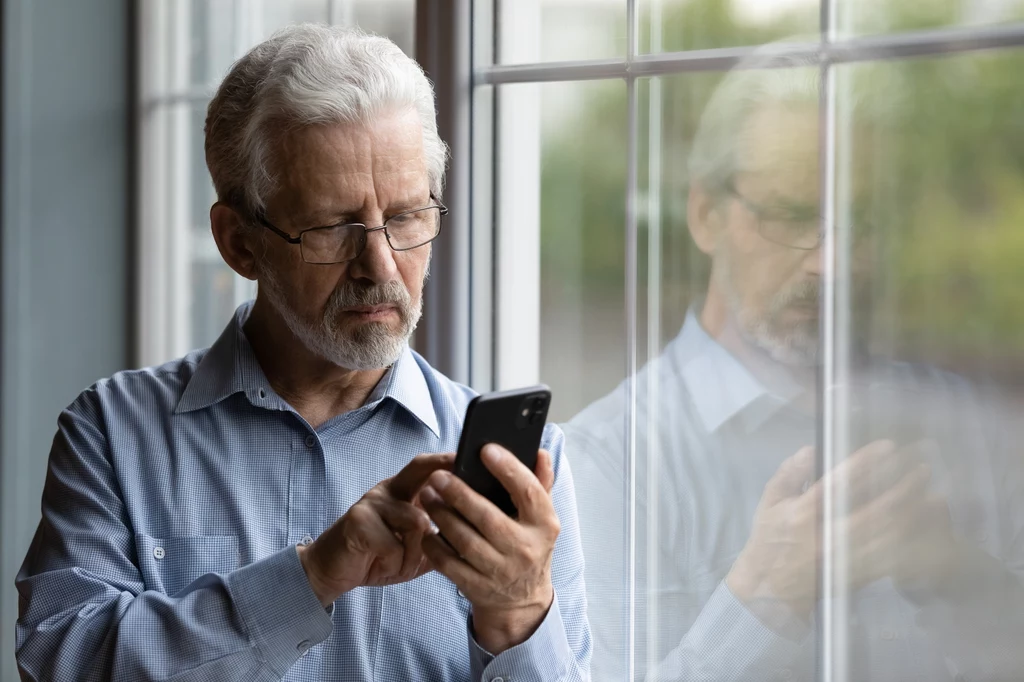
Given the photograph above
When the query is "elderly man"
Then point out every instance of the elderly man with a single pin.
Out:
(927, 512)
(261, 510)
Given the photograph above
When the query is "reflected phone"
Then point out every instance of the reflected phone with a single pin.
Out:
(515, 420)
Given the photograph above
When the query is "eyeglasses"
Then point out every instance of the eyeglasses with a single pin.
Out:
(341, 243)
(798, 227)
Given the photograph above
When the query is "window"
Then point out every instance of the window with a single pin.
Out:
(724, 230)
(187, 293)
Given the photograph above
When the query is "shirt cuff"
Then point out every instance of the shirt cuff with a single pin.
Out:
(279, 608)
(544, 656)
(727, 630)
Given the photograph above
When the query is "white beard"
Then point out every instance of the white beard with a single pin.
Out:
(373, 345)
(794, 344)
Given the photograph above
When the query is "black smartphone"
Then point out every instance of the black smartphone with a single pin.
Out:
(513, 419)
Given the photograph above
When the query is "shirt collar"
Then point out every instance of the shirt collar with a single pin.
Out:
(230, 367)
(406, 384)
(720, 385)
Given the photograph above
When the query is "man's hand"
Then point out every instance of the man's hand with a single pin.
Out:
(378, 540)
(501, 565)
(883, 508)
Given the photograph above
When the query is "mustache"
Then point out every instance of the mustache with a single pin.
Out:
(805, 293)
(351, 294)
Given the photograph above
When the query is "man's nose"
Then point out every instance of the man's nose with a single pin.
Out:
(377, 261)
(814, 261)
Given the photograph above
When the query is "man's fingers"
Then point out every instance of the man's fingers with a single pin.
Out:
(490, 522)
(407, 482)
(460, 532)
(528, 494)
(449, 564)
(792, 477)
(412, 561)
(545, 470)
(403, 517)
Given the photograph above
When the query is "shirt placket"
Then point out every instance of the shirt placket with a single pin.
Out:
(307, 495)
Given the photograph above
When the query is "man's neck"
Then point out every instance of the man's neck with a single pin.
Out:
(721, 325)
(317, 388)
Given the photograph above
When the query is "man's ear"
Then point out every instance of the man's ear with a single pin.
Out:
(703, 217)
(234, 240)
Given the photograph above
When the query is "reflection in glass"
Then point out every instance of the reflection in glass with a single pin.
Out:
(918, 518)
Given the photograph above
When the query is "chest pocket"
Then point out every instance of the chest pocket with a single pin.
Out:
(169, 565)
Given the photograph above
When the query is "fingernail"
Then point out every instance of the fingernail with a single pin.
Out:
(492, 454)
(440, 479)
(428, 495)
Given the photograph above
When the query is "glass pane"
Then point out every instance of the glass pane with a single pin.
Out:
(395, 19)
(214, 289)
(213, 38)
(677, 25)
(278, 14)
(581, 135)
(890, 16)
(921, 480)
(527, 31)
(582, 236)
(931, 346)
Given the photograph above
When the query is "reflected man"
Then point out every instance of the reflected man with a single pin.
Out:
(723, 548)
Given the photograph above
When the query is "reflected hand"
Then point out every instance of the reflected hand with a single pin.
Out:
(886, 519)
(378, 540)
(502, 565)
(780, 559)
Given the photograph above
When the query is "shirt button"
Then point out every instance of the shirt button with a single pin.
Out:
(498, 679)
(310, 441)
(306, 540)
(303, 646)
(158, 552)
(263, 394)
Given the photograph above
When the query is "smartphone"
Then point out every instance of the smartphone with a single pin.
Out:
(515, 420)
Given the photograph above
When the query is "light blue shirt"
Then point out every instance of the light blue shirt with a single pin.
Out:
(709, 435)
(173, 505)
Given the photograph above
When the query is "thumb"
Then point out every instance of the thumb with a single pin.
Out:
(791, 478)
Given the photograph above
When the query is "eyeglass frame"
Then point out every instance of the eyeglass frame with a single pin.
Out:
(443, 211)
(758, 211)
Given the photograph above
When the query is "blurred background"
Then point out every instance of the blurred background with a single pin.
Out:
(570, 259)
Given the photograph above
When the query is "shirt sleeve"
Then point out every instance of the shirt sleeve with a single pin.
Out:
(559, 649)
(84, 612)
(728, 642)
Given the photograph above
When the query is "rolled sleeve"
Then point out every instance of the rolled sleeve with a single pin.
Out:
(729, 642)
(546, 655)
(279, 608)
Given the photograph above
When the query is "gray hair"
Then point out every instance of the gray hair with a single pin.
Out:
(761, 79)
(769, 76)
(309, 74)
